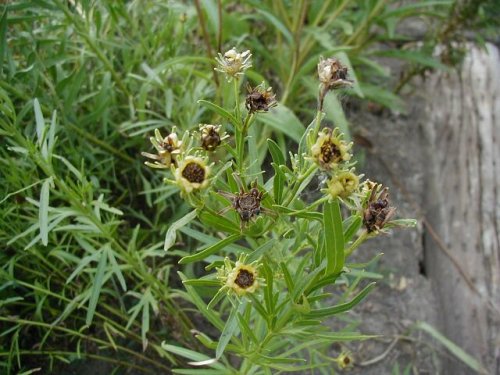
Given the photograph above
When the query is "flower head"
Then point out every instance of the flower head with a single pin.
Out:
(167, 150)
(192, 174)
(345, 360)
(342, 184)
(330, 150)
(211, 137)
(260, 99)
(240, 279)
(332, 74)
(233, 63)
(376, 209)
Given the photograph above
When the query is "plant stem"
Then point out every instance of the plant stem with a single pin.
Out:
(363, 236)
(298, 183)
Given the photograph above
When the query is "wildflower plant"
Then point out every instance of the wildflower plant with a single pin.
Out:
(274, 263)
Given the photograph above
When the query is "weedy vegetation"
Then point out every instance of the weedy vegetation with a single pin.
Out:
(233, 250)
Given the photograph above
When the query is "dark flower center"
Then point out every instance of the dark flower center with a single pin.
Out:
(330, 152)
(194, 173)
(244, 279)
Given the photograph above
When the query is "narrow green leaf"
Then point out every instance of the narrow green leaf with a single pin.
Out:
(268, 289)
(452, 347)
(194, 297)
(3, 38)
(414, 9)
(117, 271)
(97, 285)
(288, 278)
(328, 311)
(228, 331)
(415, 57)
(344, 58)
(202, 282)
(190, 354)
(276, 153)
(306, 214)
(145, 325)
(219, 222)
(284, 120)
(200, 255)
(43, 213)
(382, 96)
(171, 232)
(220, 111)
(278, 183)
(334, 237)
(351, 226)
(261, 250)
(40, 127)
(277, 24)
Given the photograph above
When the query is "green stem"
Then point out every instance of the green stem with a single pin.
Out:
(356, 243)
(298, 183)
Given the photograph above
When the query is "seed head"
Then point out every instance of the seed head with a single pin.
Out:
(233, 63)
(260, 99)
(377, 210)
(332, 74)
(211, 137)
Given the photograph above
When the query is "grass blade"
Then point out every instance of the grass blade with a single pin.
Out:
(97, 285)
(43, 213)
(452, 347)
(171, 232)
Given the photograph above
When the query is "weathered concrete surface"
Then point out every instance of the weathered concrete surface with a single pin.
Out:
(462, 130)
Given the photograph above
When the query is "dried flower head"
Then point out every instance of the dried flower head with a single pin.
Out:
(342, 184)
(332, 74)
(167, 149)
(233, 63)
(345, 360)
(240, 279)
(211, 137)
(260, 99)
(330, 150)
(246, 203)
(192, 174)
(377, 211)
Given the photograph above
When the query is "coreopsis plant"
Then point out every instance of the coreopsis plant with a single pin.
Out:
(275, 266)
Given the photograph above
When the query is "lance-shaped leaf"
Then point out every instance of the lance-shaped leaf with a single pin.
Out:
(334, 237)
